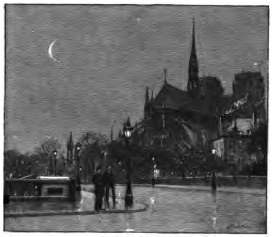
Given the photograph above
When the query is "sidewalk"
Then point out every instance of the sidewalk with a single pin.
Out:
(83, 207)
(88, 199)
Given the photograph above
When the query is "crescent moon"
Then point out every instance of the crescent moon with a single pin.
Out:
(50, 51)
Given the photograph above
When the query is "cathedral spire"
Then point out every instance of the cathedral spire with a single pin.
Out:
(193, 82)
(128, 124)
(70, 143)
(165, 76)
(193, 50)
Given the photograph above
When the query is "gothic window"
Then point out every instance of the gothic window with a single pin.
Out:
(163, 120)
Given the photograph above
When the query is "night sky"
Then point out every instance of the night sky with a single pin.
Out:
(107, 55)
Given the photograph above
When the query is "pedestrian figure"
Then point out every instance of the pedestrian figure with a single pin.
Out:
(110, 185)
(99, 189)
(214, 184)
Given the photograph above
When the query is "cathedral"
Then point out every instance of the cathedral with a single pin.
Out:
(175, 117)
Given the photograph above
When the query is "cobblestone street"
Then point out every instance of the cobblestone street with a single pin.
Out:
(175, 210)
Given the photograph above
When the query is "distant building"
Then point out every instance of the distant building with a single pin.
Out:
(250, 85)
(237, 125)
(232, 148)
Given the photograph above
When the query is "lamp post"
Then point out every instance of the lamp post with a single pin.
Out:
(78, 149)
(50, 165)
(153, 175)
(128, 195)
(55, 153)
(214, 152)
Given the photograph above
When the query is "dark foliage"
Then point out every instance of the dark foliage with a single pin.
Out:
(258, 142)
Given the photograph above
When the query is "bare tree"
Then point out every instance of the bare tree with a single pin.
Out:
(93, 145)
(44, 152)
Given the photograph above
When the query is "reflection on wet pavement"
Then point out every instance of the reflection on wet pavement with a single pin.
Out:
(36, 206)
(175, 211)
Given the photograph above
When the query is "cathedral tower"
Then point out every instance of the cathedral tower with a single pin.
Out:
(193, 81)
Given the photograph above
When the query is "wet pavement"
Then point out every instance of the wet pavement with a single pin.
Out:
(84, 206)
(170, 210)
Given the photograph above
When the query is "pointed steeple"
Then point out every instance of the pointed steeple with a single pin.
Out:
(165, 76)
(70, 143)
(193, 82)
(128, 124)
(193, 50)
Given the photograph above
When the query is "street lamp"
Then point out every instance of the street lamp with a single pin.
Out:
(78, 149)
(213, 151)
(128, 195)
(55, 153)
(127, 133)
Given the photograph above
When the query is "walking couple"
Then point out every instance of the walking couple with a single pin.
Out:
(103, 184)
